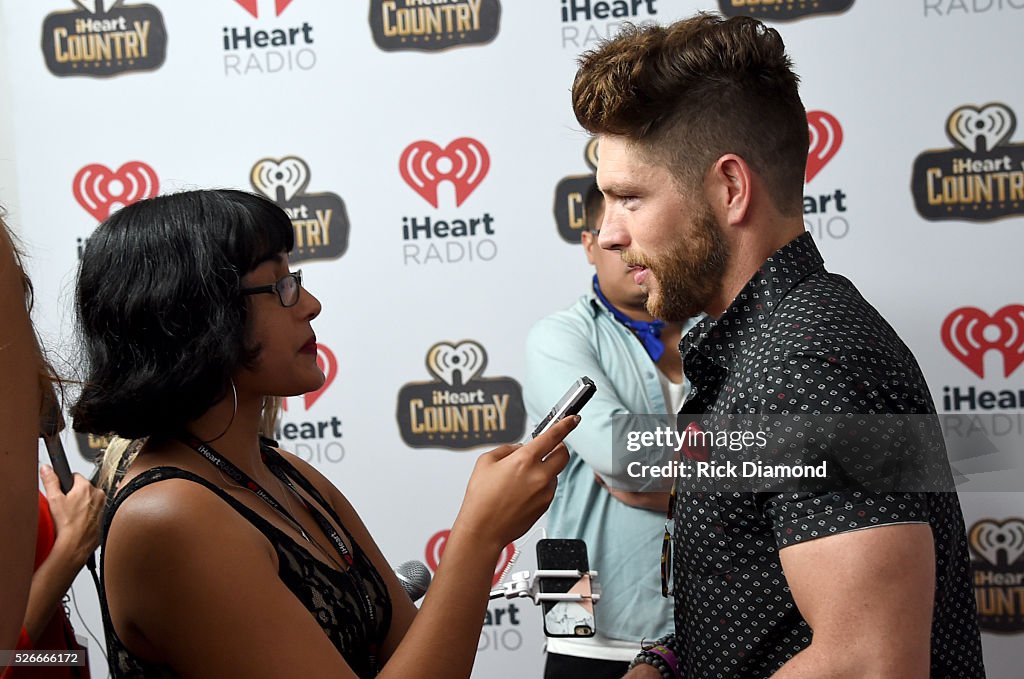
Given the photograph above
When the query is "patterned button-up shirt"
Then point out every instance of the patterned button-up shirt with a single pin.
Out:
(799, 340)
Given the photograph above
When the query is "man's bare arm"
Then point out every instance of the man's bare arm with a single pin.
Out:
(868, 597)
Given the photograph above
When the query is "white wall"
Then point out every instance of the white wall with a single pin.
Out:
(890, 72)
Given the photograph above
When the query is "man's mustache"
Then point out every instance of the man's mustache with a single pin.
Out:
(630, 258)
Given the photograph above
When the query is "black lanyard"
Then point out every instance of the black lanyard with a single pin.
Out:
(241, 478)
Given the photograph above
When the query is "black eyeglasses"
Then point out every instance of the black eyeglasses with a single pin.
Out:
(287, 289)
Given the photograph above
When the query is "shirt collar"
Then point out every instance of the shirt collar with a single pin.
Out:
(722, 339)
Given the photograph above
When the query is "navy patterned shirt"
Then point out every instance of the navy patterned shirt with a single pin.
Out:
(799, 340)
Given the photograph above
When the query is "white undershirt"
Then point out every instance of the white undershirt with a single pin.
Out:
(672, 391)
(597, 647)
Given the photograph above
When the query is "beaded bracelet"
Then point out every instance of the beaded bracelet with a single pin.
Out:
(647, 658)
(661, 658)
(659, 654)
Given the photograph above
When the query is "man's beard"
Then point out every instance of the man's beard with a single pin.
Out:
(687, 277)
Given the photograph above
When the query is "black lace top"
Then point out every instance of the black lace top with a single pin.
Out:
(332, 597)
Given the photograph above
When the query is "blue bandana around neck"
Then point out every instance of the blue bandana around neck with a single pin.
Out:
(648, 332)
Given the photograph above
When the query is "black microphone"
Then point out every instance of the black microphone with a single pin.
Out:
(51, 423)
(414, 577)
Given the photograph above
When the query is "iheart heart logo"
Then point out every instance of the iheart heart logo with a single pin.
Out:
(969, 333)
(826, 136)
(464, 162)
(437, 544)
(252, 6)
(328, 363)
(101, 190)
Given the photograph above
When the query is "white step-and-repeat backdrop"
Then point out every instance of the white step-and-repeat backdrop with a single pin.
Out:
(429, 158)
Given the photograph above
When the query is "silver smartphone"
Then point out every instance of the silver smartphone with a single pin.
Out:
(570, 404)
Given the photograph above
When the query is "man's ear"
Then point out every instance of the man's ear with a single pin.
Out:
(589, 241)
(728, 186)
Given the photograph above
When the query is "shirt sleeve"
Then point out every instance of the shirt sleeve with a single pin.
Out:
(558, 352)
(799, 517)
(848, 436)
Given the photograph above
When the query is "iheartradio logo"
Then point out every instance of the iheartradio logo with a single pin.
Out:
(252, 7)
(328, 363)
(436, 545)
(464, 163)
(969, 333)
(101, 191)
(826, 136)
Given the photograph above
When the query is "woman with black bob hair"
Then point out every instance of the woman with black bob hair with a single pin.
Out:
(223, 556)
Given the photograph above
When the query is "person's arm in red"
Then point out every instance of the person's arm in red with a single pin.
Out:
(20, 366)
(76, 520)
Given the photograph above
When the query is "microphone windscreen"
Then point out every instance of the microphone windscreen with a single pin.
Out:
(414, 577)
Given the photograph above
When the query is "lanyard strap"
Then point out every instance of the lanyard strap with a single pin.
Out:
(243, 479)
(277, 469)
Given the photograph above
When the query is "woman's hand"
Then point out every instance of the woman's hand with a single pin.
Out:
(76, 516)
(512, 486)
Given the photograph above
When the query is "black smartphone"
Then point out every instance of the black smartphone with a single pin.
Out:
(570, 618)
(570, 404)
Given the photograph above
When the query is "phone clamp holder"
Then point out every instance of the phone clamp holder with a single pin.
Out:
(527, 586)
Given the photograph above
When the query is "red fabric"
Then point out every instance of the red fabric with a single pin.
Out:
(46, 533)
(58, 634)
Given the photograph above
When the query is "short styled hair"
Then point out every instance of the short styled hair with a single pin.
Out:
(161, 319)
(688, 93)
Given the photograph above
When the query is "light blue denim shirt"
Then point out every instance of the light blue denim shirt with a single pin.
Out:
(623, 543)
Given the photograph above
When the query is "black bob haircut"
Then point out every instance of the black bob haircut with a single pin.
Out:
(161, 320)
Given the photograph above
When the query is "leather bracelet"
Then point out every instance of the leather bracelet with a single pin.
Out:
(667, 655)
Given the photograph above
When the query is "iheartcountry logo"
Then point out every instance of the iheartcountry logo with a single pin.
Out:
(981, 178)
(436, 546)
(782, 10)
(587, 22)
(102, 191)
(252, 7)
(250, 50)
(91, 446)
(824, 213)
(103, 38)
(433, 26)
(570, 198)
(320, 220)
(999, 573)
(460, 408)
(969, 333)
(464, 163)
(316, 441)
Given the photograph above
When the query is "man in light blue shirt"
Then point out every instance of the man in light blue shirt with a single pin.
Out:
(608, 336)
